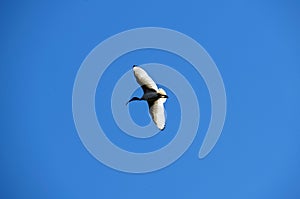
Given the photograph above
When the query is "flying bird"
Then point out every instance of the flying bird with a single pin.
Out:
(155, 97)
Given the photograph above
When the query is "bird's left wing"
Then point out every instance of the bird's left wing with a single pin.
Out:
(143, 79)
(157, 113)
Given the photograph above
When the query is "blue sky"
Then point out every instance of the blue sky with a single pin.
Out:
(255, 45)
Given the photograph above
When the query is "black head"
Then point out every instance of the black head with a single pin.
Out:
(133, 99)
(134, 66)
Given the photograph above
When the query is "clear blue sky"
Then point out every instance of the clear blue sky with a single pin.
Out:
(255, 45)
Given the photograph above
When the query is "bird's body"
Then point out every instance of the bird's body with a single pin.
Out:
(155, 97)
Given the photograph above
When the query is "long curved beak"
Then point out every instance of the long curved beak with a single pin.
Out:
(133, 99)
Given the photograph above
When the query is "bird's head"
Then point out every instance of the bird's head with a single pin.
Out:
(133, 99)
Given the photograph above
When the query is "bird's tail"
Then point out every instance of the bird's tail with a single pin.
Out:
(162, 92)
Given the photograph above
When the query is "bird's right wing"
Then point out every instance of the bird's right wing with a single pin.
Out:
(143, 79)
(157, 112)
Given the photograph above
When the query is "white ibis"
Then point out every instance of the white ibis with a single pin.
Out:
(155, 97)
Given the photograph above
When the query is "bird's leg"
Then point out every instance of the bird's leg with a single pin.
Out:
(162, 96)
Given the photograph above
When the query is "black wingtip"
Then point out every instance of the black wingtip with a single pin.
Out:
(163, 128)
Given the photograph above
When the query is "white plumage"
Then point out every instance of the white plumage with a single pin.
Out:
(154, 96)
(143, 78)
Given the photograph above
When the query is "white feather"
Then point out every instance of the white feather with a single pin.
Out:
(143, 78)
(156, 109)
(163, 92)
(158, 113)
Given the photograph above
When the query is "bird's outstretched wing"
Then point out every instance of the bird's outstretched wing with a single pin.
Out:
(157, 113)
(144, 80)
